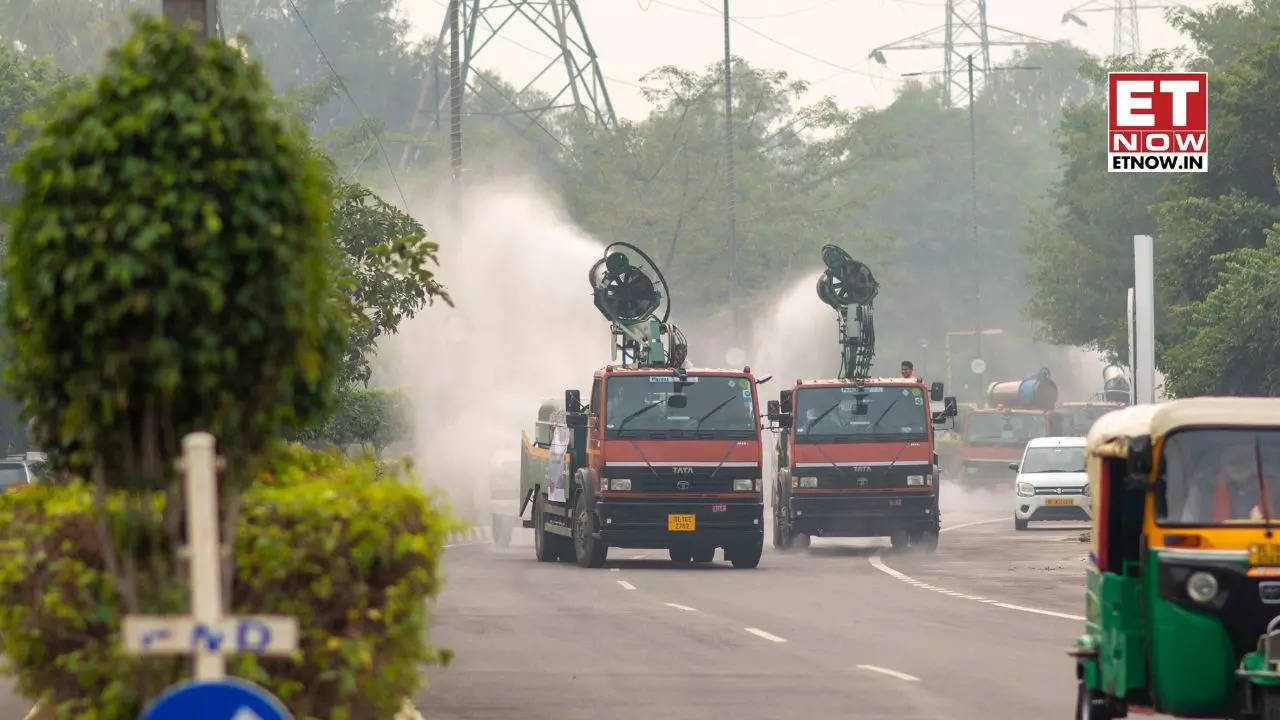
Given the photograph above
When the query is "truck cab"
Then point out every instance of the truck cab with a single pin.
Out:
(994, 437)
(855, 458)
(658, 458)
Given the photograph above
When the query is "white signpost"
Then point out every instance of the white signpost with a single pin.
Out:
(1143, 357)
(207, 633)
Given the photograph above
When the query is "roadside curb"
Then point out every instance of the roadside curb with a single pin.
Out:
(470, 536)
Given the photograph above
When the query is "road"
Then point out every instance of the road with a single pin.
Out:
(976, 631)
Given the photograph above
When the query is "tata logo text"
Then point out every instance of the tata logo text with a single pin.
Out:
(682, 470)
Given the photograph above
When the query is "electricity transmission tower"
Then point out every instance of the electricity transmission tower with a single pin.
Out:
(1124, 40)
(965, 32)
(562, 40)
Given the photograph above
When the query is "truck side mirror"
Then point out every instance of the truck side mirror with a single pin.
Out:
(572, 401)
(935, 392)
(1013, 467)
(949, 407)
(773, 411)
(784, 401)
(575, 419)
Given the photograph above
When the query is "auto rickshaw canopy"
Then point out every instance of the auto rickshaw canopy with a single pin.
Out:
(1111, 433)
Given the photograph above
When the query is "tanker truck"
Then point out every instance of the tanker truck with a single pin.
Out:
(662, 456)
(855, 454)
(992, 437)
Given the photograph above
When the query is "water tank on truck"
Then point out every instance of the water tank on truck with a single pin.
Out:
(1037, 392)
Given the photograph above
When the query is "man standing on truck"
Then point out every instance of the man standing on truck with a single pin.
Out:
(908, 369)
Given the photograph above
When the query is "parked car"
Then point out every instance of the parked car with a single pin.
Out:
(16, 473)
(1051, 482)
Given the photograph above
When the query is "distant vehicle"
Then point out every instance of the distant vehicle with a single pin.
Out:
(504, 497)
(16, 473)
(1077, 417)
(993, 437)
(1051, 482)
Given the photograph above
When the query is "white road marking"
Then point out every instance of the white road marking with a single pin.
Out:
(468, 544)
(878, 564)
(1037, 611)
(678, 606)
(890, 673)
(971, 524)
(626, 585)
(615, 569)
(767, 636)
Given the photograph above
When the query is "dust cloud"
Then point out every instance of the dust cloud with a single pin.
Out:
(523, 330)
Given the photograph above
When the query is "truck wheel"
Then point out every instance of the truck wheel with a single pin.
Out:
(782, 538)
(747, 556)
(542, 540)
(589, 550)
(899, 539)
(926, 540)
(800, 541)
(682, 555)
(704, 554)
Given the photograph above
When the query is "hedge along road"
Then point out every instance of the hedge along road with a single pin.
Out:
(816, 634)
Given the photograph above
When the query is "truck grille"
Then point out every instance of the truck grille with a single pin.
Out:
(700, 483)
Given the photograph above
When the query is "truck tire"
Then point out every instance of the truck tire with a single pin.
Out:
(899, 539)
(680, 554)
(926, 540)
(704, 554)
(747, 556)
(589, 550)
(800, 541)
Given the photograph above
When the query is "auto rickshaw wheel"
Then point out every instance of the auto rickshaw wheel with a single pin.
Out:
(1092, 705)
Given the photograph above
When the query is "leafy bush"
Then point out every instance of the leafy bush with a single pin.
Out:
(168, 265)
(367, 417)
(352, 548)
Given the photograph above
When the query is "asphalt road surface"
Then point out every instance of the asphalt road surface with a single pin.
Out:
(847, 629)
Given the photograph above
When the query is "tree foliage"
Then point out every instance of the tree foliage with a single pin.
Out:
(25, 85)
(168, 267)
(387, 252)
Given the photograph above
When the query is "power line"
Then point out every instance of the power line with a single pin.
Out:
(793, 49)
(363, 118)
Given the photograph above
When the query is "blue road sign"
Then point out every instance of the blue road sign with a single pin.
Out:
(216, 700)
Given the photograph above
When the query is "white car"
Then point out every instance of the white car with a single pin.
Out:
(1051, 484)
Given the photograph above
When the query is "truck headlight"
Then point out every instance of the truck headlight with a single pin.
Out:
(1202, 587)
(744, 485)
(1026, 489)
(620, 484)
(915, 480)
(808, 482)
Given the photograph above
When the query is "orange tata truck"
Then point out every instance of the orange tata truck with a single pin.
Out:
(661, 456)
(855, 455)
(993, 437)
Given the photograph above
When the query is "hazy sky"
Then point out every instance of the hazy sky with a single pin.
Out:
(824, 42)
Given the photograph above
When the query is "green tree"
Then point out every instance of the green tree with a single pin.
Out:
(1232, 344)
(392, 262)
(25, 85)
(74, 34)
(169, 239)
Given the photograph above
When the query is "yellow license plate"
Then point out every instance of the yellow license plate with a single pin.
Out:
(1264, 554)
(1059, 501)
(682, 523)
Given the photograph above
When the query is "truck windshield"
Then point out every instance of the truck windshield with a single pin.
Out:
(639, 406)
(1210, 477)
(1053, 460)
(999, 428)
(869, 413)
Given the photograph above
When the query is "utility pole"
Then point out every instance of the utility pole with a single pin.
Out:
(203, 14)
(973, 220)
(965, 26)
(555, 30)
(730, 190)
(455, 99)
